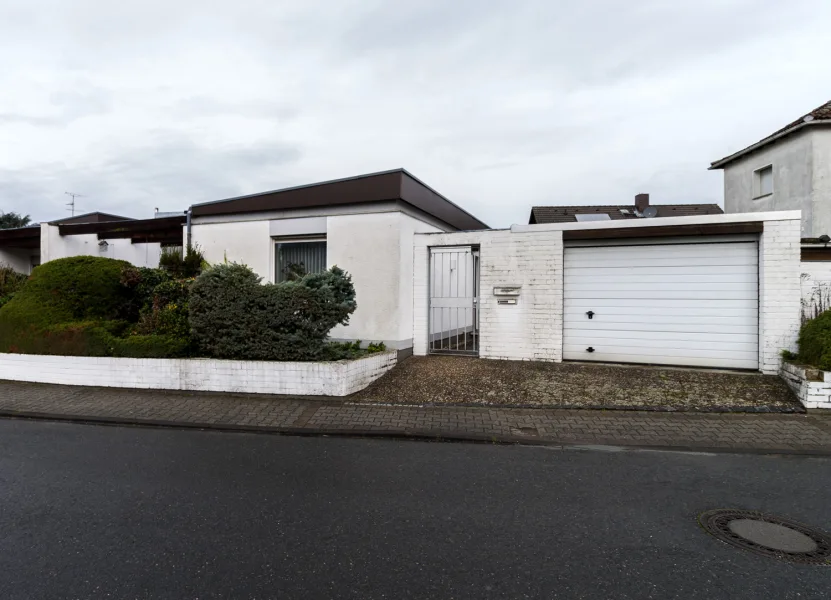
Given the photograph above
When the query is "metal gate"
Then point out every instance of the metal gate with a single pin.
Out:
(454, 300)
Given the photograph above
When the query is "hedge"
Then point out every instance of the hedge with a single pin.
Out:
(234, 316)
(82, 306)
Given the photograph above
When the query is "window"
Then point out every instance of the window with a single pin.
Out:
(295, 259)
(763, 181)
(592, 217)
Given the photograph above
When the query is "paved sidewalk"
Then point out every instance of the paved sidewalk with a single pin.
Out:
(795, 433)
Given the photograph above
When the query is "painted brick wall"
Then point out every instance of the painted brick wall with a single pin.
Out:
(298, 378)
(779, 292)
(530, 330)
(811, 386)
(533, 258)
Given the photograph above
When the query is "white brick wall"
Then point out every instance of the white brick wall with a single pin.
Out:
(530, 330)
(532, 256)
(811, 386)
(816, 287)
(779, 292)
(339, 378)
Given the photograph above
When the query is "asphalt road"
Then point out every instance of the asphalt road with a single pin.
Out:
(109, 512)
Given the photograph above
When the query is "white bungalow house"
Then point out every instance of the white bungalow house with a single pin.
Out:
(713, 290)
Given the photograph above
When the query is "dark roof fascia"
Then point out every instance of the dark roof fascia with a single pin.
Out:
(75, 220)
(723, 162)
(123, 228)
(385, 186)
(663, 231)
(20, 237)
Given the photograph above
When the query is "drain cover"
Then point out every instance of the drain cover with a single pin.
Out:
(768, 535)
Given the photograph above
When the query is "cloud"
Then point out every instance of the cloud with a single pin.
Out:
(499, 105)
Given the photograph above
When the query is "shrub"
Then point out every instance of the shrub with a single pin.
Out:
(140, 281)
(183, 266)
(815, 341)
(233, 316)
(10, 282)
(166, 312)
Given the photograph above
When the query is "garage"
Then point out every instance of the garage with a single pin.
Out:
(668, 302)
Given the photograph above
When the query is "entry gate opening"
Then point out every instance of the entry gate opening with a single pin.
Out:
(454, 300)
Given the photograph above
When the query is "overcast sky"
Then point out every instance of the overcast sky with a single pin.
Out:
(499, 105)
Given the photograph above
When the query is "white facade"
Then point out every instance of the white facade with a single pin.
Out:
(22, 260)
(53, 246)
(816, 287)
(801, 165)
(531, 256)
(374, 245)
(339, 378)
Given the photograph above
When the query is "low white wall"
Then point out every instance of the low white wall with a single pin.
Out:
(811, 386)
(339, 378)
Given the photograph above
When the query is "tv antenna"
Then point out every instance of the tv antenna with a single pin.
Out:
(71, 204)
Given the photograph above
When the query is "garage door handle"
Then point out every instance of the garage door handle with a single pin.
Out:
(590, 313)
(589, 349)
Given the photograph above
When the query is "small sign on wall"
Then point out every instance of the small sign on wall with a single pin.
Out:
(507, 290)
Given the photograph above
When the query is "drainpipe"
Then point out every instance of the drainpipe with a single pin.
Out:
(188, 213)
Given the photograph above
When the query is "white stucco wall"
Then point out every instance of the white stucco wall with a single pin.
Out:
(376, 248)
(801, 179)
(53, 246)
(19, 259)
(821, 177)
(792, 159)
(247, 242)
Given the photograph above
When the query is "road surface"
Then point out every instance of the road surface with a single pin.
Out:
(113, 512)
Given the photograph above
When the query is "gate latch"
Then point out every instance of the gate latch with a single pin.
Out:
(589, 349)
(590, 313)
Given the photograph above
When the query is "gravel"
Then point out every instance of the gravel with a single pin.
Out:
(454, 380)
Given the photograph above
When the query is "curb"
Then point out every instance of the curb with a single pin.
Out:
(413, 435)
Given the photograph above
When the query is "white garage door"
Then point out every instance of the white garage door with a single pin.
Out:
(672, 304)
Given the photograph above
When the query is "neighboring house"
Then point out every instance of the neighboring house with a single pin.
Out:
(788, 170)
(615, 212)
(22, 248)
(791, 170)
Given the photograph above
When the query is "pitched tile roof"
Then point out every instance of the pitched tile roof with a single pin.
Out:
(567, 214)
(820, 115)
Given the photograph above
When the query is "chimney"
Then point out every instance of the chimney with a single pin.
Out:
(641, 202)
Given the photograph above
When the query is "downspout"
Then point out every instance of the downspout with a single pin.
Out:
(188, 213)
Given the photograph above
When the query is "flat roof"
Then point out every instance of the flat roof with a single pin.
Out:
(396, 185)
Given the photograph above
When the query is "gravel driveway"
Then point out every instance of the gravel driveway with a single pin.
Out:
(439, 380)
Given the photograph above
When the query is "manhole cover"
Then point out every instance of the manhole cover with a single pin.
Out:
(768, 535)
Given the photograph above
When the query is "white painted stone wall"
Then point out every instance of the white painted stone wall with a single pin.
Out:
(811, 386)
(54, 246)
(780, 296)
(532, 256)
(339, 378)
(529, 330)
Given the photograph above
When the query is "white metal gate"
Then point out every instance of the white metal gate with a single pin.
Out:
(454, 297)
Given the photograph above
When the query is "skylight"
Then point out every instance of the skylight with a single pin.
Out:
(593, 217)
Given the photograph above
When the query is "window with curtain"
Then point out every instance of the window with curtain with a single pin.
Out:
(295, 259)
